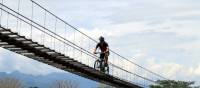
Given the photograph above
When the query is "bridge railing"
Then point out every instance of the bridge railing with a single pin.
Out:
(30, 19)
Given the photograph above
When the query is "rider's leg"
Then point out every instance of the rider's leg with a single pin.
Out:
(101, 65)
(106, 59)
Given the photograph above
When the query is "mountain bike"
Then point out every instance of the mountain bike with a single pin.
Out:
(100, 63)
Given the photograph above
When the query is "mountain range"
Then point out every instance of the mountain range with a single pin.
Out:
(45, 81)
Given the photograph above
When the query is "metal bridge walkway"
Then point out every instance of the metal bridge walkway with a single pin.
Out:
(26, 47)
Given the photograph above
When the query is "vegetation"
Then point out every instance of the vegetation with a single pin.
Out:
(10, 83)
(173, 84)
(64, 84)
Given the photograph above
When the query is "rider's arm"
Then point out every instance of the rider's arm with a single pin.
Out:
(96, 48)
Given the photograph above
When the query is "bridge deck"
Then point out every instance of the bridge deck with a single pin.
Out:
(21, 45)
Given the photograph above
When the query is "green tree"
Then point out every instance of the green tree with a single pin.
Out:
(173, 84)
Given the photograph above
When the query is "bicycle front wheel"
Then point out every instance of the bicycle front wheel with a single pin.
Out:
(97, 65)
(107, 69)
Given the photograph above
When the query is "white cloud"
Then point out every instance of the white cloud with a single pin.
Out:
(176, 71)
(170, 70)
(197, 71)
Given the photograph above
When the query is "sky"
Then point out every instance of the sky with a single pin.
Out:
(161, 35)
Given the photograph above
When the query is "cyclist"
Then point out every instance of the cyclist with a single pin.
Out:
(104, 49)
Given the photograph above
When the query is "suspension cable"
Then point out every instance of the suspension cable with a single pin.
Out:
(18, 7)
(54, 43)
(1, 12)
(7, 19)
(44, 26)
(31, 19)
(54, 34)
(93, 56)
(96, 41)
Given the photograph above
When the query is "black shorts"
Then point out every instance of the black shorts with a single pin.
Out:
(103, 55)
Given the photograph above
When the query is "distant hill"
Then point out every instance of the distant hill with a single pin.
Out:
(46, 80)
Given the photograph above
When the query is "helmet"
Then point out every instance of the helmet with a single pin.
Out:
(101, 39)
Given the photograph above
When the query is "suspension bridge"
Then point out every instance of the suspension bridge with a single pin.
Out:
(29, 29)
